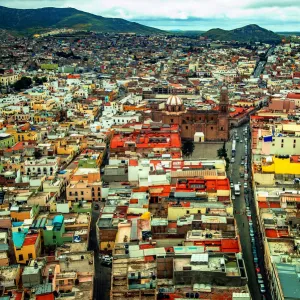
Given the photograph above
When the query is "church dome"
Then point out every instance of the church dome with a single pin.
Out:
(174, 100)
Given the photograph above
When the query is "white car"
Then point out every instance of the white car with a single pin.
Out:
(262, 288)
(245, 185)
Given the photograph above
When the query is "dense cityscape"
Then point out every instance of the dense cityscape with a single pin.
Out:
(148, 166)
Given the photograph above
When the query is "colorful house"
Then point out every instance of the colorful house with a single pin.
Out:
(54, 232)
(27, 245)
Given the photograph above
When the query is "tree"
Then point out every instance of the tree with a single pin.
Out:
(222, 153)
(37, 153)
(23, 83)
(187, 148)
(39, 80)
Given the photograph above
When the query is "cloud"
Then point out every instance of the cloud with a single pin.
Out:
(274, 3)
(195, 14)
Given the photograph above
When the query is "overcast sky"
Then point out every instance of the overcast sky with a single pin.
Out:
(277, 15)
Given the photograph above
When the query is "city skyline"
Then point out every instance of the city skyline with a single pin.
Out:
(186, 15)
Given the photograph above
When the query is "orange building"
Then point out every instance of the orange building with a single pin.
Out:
(151, 138)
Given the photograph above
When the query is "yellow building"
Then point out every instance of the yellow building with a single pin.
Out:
(282, 165)
(66, 150)
(7, 79)
(43, 105)
(36, 96)
(26, 245)
(24, 136)
(176, 212)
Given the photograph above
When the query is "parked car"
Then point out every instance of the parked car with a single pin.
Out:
(260, 278)
(249, 216)
(262, 288)
(96, 206)
(231, 185)
(232, 197)
(251, 232)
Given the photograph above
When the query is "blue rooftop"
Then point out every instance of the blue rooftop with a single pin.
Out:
(289, 276)
(17, 224)
(19, 237)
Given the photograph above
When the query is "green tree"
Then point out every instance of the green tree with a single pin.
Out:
(187, 148)
(222, 153)
(39, 80)
(23, 83)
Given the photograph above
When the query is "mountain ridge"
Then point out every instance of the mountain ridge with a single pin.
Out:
(42, 19)
(248, 33)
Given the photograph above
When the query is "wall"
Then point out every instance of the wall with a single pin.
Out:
(282, 166)
(176, 212)
(26, 250)
(7, 142)
(264, 179)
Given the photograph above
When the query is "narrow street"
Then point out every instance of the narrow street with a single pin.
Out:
(102, 273)
(241, 218)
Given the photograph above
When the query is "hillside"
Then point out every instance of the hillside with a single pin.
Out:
(249, 33)
(38, 20)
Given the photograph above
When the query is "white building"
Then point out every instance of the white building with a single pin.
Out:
(43, 166)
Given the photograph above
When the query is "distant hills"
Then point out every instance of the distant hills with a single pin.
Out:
(249, 33)
(30, 21)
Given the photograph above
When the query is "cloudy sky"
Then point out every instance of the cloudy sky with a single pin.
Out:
(277, 15)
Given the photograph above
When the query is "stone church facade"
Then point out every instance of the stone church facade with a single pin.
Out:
(214, 124)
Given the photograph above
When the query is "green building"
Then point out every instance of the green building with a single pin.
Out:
(49, 66)
(6, 140)
(54, 231)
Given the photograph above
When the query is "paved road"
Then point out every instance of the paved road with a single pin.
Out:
(242, 221)
(261, 64)
(102, 274)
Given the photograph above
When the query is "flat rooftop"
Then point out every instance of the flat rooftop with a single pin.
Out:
(289, 279)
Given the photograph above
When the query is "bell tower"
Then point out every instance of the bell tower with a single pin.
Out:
(224, 102)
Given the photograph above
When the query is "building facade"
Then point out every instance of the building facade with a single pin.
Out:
(214, 124)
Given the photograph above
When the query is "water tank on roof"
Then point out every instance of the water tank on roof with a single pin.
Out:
(58, 220)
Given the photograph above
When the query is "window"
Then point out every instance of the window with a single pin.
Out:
(82, 193)
(29, 255)
(282, 141)
(186, 127)
(199, 211)
(281, 145)
(54, 237)
(70, 194)
(294, 141)
(21, 257)
(211, 128)
(187, 211)
(187, 118)
(171, 120)
(294, 146)
(98, 193)
(222, 128)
